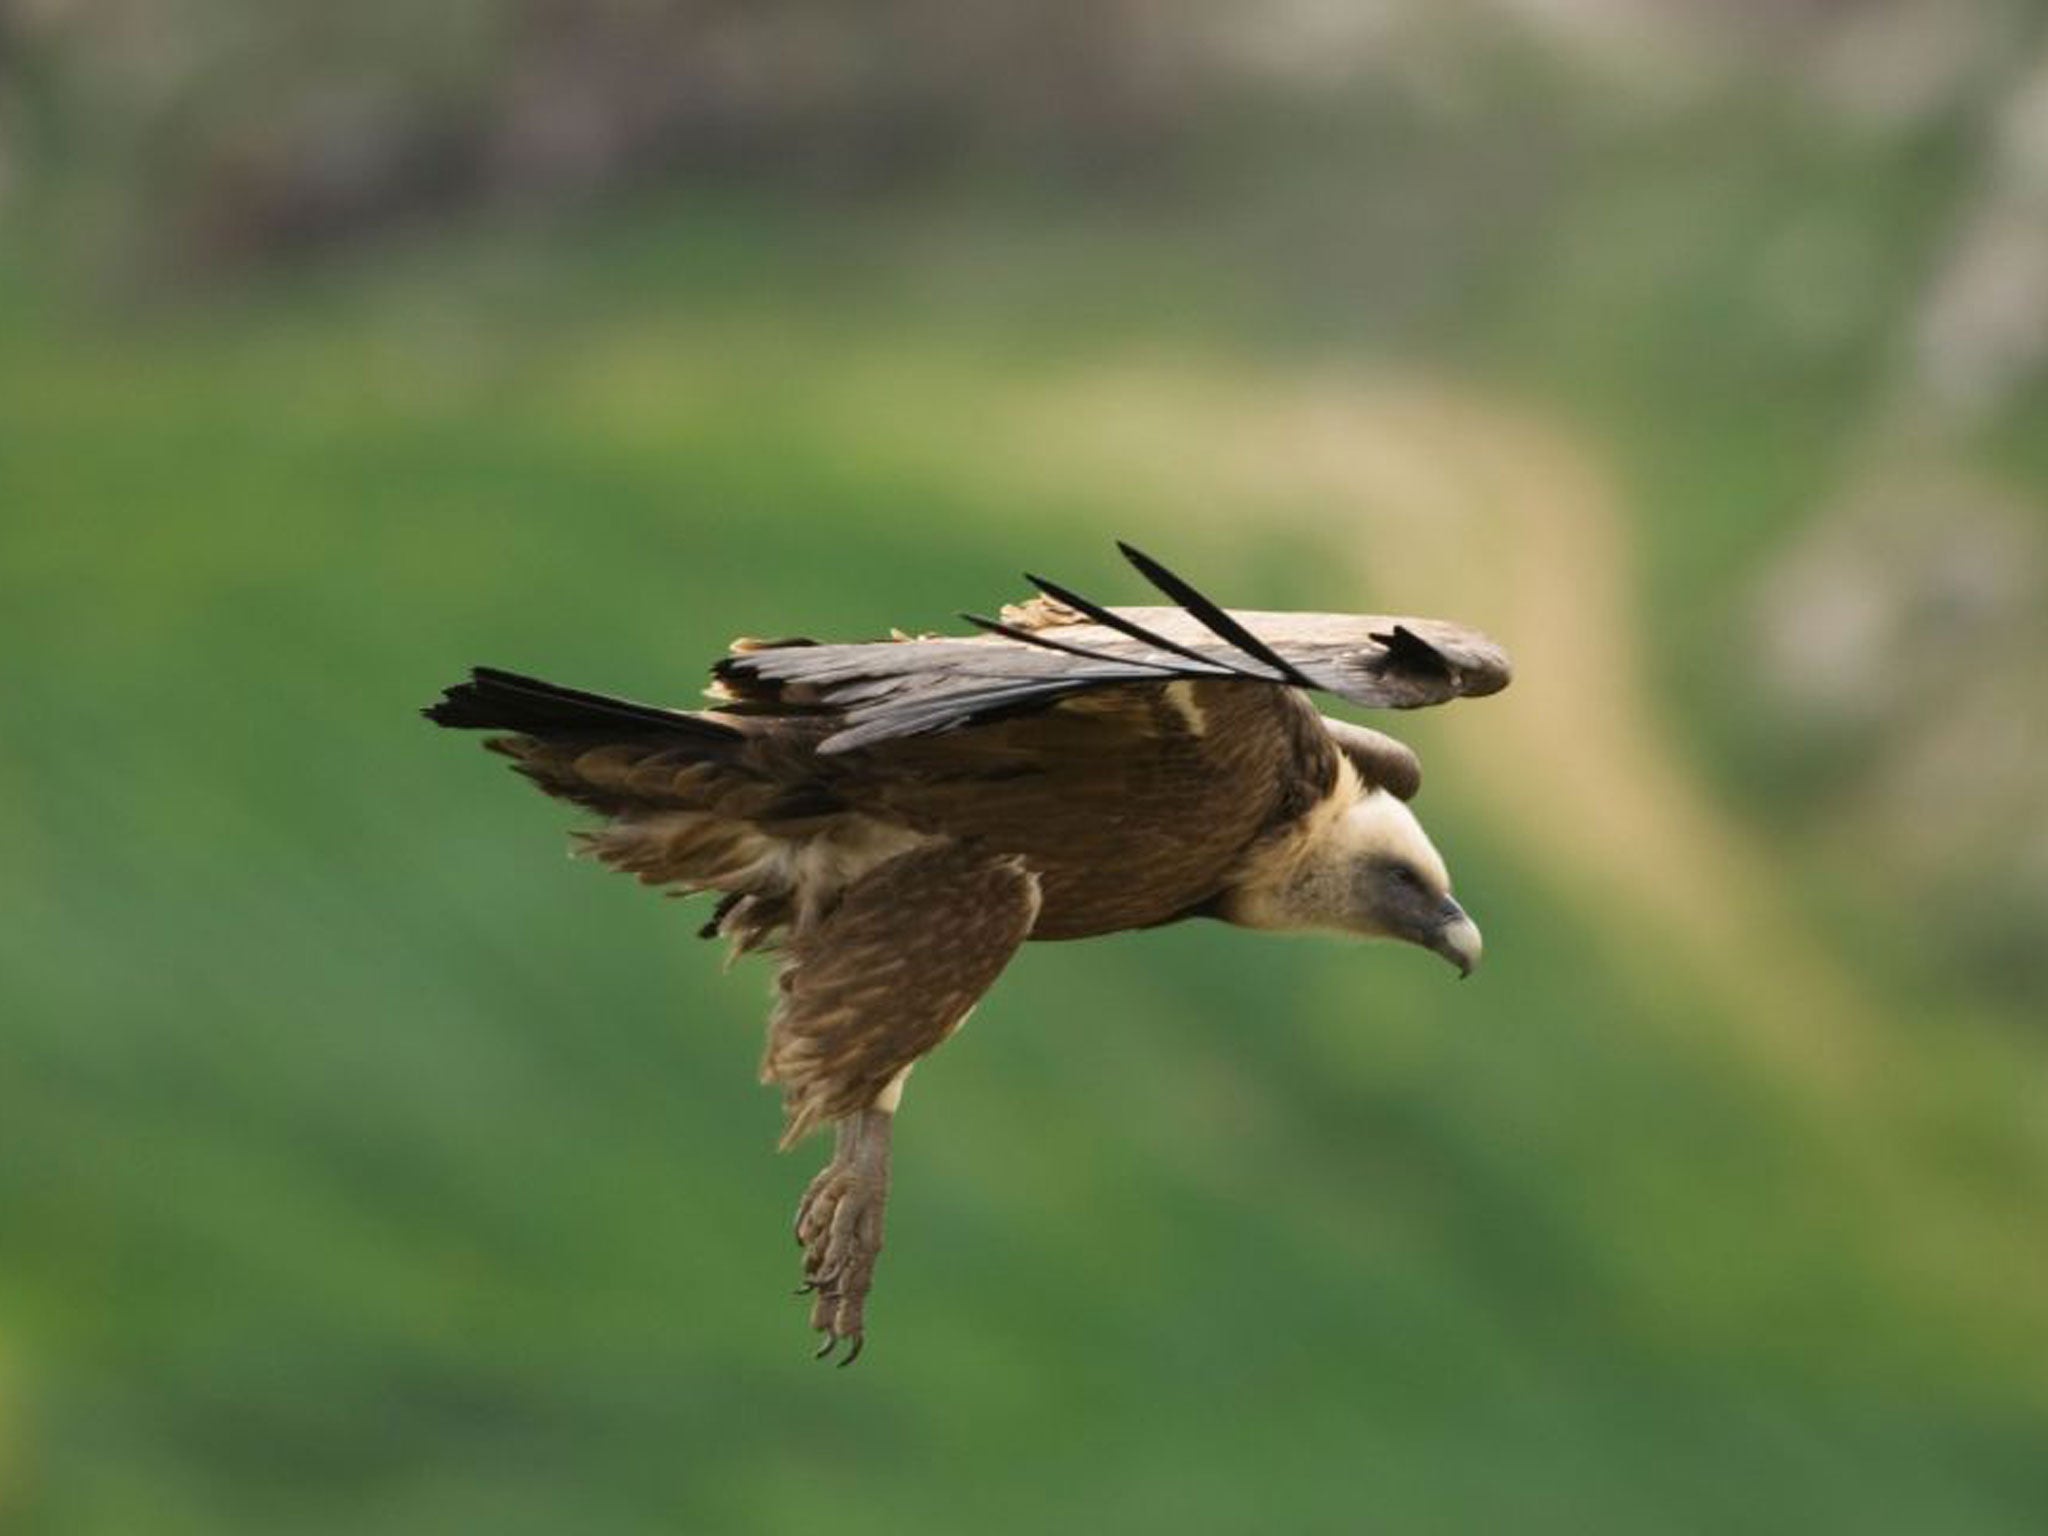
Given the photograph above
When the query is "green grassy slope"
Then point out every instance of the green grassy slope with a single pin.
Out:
(365, 1165)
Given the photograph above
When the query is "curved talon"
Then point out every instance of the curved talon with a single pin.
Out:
(839, 1228)
(860, 1341)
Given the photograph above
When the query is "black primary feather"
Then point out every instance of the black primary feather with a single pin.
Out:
(1409, 652)
(1046, 642)
(1212, 616)
(1110, 618)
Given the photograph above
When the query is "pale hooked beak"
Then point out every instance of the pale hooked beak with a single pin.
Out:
(1457, 939)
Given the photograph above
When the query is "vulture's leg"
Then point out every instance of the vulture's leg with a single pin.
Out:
(839, 1225)
(866, 989)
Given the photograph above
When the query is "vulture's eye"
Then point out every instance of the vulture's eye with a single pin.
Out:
(1404, 874)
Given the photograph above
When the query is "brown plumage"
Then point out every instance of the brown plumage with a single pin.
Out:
(897, 817)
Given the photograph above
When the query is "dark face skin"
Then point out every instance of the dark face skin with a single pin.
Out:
(1403, 902)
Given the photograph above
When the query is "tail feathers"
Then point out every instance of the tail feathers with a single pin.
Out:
(505, 701)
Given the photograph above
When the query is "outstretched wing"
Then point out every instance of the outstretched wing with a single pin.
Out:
(883, 691)
(890, 972)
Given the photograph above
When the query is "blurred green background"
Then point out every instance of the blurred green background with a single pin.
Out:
(365, 1166)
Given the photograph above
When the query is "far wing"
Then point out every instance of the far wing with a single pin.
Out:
(1380, 759)
(889, 973)
(887, 690)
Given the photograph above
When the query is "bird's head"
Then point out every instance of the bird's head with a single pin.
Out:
(1399, 887)
(1372, 871)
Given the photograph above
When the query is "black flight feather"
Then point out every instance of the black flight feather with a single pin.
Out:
(1410, 652)
(1116, 621)
(1212, 617)
(1046, 642)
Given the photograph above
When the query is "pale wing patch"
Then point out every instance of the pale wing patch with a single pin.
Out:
(1181, 696)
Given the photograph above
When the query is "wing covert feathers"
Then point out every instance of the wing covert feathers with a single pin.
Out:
(1062, 643)
(888, 973)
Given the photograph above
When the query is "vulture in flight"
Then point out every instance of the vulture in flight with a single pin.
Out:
(895, 818)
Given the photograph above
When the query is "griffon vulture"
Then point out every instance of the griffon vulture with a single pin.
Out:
(897, 817)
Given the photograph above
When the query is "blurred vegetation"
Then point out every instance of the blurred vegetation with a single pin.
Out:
(364, 1166)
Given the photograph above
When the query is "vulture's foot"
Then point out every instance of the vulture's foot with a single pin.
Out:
(839, 1227)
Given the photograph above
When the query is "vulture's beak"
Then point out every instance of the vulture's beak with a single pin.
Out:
(1457, 939)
